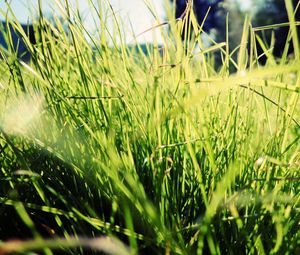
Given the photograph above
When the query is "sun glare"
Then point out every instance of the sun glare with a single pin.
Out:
(23, 112)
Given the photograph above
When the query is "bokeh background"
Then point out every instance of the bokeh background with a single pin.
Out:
(137, 18)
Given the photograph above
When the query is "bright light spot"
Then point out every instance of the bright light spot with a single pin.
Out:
(23, 112)
(136, 18)
(243, 73)
(259, 161)
(245, 4)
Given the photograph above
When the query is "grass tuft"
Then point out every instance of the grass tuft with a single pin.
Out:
(160, 150)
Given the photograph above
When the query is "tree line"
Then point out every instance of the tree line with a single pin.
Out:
(263, 12)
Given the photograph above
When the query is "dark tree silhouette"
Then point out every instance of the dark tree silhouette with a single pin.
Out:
(32, 31)
(274, 12)
(200, 8)
(18, 43)
(264, 12)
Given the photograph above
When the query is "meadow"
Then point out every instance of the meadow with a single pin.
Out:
(106, 149)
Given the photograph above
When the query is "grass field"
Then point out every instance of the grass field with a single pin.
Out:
(106, 150)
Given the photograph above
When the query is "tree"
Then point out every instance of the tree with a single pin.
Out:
(269, 12)
(16, 43)
(200, 9)
(263, 12)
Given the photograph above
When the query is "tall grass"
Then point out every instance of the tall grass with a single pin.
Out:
(166, 152)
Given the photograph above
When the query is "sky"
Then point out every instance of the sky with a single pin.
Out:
(134, 14)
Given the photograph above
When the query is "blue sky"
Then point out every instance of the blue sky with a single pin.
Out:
(130, 11)
(134, 14)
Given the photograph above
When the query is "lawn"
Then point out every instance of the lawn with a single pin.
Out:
(104, 148)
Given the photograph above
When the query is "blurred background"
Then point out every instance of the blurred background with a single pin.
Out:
(137, 18)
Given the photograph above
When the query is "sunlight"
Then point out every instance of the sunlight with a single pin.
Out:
(22, 113)
(134, 14)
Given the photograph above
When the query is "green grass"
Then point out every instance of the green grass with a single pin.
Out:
(168, 153)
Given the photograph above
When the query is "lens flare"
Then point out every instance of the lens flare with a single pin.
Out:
(21, 114)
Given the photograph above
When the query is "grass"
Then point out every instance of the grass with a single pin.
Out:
(163, 154)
